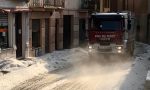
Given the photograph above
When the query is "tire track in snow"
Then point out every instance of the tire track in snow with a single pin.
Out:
(71, 85)
(61, 80)
(38, 82)
(43, 80)
(64, 82)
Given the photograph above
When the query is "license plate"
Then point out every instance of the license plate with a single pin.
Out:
(105, 49)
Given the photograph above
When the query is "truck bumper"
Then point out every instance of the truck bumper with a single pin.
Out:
(112, 49)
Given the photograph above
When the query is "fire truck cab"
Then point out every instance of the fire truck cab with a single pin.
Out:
(111, 33)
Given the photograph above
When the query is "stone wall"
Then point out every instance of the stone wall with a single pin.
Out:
(72, 4)
(52, 34)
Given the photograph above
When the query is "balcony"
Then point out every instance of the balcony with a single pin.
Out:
(86, 4)
(46, 3)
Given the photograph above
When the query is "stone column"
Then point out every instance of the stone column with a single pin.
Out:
(60, 32)
(32, 53)
(52, 33)
(11, 34)
(76, 30)
(10, 29)
(26, 35)
(120, 5)
(42, 35)
(101, 6)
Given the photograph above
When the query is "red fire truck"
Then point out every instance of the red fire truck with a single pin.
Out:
(111, 33)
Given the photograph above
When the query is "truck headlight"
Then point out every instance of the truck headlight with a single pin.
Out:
(90, 47)
(119, 48)
(119, 51)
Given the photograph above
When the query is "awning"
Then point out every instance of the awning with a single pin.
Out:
(4, 10)
(20, 10)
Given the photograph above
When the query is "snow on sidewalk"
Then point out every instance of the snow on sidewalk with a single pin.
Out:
(19, 71)
(11, 64)
(15, 77)
(136, 78)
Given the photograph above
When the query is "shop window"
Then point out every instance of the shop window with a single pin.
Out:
(3, 31)
(35, 33)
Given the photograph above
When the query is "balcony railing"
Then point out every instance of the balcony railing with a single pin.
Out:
(90, 4)
(46, 3)
(84, 4)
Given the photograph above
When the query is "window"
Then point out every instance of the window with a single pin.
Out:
(84, 4)
(3, 31)
(110, 25)
(106, 3)
(107, 23)
(35, 33)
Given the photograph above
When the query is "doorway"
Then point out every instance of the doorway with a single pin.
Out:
(82, 32)
(148, 30)
(67, 26)
(56, 33)
(18, 25)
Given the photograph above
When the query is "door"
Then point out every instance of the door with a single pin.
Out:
(18, 25)
(36, 38)
(82, 32)
(148, 30)
(67, 31)
(56, 34)
(47, 35)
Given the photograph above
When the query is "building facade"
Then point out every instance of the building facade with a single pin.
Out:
(13, 16)
(75, 23)
(35, 27)
(55, 27)
(45, 26)
(27, 27)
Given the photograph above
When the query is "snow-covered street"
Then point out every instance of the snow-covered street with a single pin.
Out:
(73, 69)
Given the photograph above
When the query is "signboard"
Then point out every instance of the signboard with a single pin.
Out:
(104, 37)
(3, 30)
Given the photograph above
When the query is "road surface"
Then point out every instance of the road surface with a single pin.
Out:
(83, 75)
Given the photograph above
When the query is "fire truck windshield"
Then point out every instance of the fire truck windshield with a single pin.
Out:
(107, 23)
(110, 25)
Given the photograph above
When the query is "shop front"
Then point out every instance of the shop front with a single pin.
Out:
(3, 30)
(6, 37)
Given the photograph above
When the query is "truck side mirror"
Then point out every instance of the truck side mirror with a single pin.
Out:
(129, 24)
